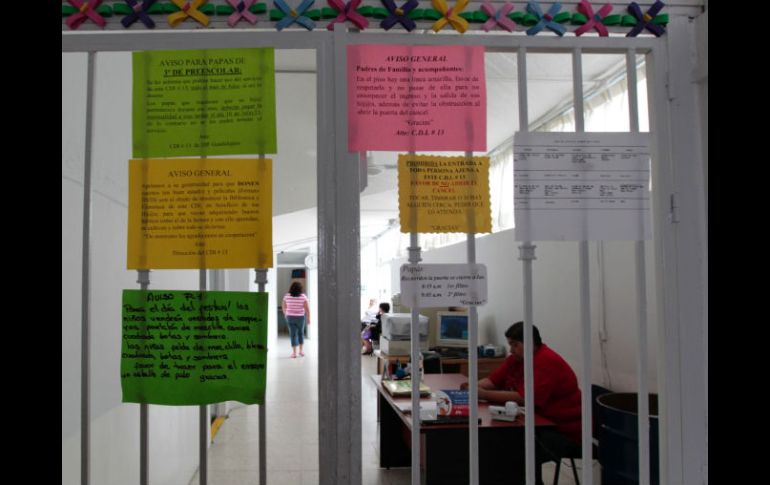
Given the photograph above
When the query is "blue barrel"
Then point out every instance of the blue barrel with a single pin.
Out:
(618, 438)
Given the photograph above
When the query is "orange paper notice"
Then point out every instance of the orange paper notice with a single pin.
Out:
(444, 194)
(198, 213)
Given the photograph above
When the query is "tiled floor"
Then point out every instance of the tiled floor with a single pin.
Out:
(292, 431)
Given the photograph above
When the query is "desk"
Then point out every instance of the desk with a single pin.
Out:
(448, 364)
(445, 447)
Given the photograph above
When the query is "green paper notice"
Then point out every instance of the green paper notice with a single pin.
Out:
(204, 102)
(193, 347)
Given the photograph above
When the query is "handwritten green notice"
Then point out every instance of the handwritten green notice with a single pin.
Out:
(193, 347)
(204, 102)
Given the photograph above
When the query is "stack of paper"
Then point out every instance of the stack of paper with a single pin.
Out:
(403, 387)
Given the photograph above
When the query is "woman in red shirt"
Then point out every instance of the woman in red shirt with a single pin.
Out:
(557, 396)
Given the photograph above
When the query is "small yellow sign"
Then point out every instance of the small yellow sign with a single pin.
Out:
(444, 194)
(200, 213)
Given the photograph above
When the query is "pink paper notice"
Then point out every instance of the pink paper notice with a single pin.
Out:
(410, 98)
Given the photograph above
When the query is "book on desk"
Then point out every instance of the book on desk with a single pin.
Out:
(403, 387)
(453, 407)
(449, 407)
(452, 402)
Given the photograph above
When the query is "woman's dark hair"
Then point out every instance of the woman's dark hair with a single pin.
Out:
(296, 289)
(385, 307)
(516, 332)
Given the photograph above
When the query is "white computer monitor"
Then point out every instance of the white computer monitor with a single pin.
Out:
(398, 326)
(452, 329)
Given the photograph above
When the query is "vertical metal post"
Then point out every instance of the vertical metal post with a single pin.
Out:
(261, 281)
(527, 255)
(203, 424)
(641, 297)
(339, 360)
(143, 278)
(85, 303)
(473, 369)
(363, 170)
(414, 258)
(473, 375)
(585, 291)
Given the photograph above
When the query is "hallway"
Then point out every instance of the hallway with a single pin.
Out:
(292, 430)
(292, 426)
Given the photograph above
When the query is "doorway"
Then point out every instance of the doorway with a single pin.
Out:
(290, 267)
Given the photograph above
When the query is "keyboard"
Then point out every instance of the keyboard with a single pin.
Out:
(448, 420)
(454, 354)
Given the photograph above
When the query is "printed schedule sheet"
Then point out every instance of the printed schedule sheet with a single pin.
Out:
(581, 186)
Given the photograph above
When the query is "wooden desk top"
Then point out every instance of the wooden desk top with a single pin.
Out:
(450, 381)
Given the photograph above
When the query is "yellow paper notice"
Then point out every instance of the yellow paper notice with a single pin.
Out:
(443, 194)
(198, 213)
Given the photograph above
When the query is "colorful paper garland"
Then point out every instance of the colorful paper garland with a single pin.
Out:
(652, 21)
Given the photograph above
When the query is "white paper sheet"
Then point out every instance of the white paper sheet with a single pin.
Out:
(443, 285)
(581, 186)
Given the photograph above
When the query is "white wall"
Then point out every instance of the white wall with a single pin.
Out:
(556, 301)
(173, 430)
(294, 167)
(71, 316)
(114, 425)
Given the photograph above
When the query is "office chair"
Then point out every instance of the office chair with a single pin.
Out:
(572, 463)
(596, 391)
(431, 363)
(374, 340)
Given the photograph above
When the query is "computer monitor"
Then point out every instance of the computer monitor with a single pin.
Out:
(452, 329)
(398, 326)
